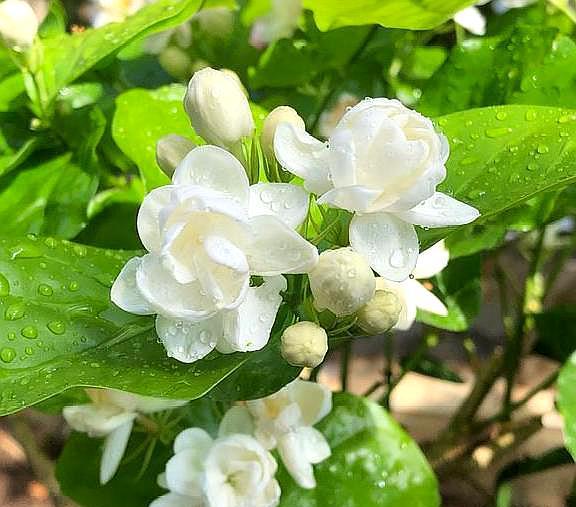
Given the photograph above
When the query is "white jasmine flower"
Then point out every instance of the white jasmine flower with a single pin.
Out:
(280, 23)
(341, 282)
(304, 344)
(111, 415)
(232, 471)
(284, 421)
(411, 293)
(115, 11)
(18, 24)
(382, 162)
(206, 234)
(218, 109)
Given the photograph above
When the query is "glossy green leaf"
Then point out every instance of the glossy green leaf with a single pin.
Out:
(556, 333)
(502, 156)
(412, 14)
(144, 116)
(566, 400)
(532, 65)
(458, 287)
(374, 463)
(60, 330)
(66, 58)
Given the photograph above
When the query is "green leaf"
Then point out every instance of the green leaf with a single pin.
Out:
(411, 14)
(11, 90)
(556, 333)
(144, 116)
(502, 156)
(566, 400)
(69, 56)
(78, 468)
(435, 368)
(458, 287)
(535, 464)
(374, 463)
(531, 65)
(60, 330)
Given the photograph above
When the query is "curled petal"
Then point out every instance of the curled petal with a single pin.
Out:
(126, 294)
(114, 448)
(193, 438)
(188, 341)
(431, 261)
(440, 210)
(287, 202)
(355, 198)
(184, 472)
(97, 420)
(314, 400)
(148, 220)
(215, 168)
(389, 244)
(303, 155)
(168, 297)
(424, 299)
(472, 20)
(249, 326)
(277, 249)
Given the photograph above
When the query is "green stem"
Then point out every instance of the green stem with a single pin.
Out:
(516, 343)
(389, 355)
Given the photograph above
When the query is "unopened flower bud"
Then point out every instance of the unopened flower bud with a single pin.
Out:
(218, 108)
(18, 24)
(342, 281)
(380, 314)
(170, 150)
(304, 344)
(235, 77)
(281, 114)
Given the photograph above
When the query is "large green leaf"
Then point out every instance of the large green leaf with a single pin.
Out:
(374, 463)
(502, 156)
(411, 14)
(60, 330)
(567, 402)
(67, 57)
(531, 65)
(144, 116)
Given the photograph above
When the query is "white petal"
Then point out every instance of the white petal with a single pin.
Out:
(215, 168)
(389, 244)
(314, 400)
(138, 403)
(287, 202)
(148, 220)
(303, 155)
(97, 420)
(184, 472)
(440, 210)
(236, 420)
(313, 444)
(408, 309)
(193, 438)
(431, 261)
(249, 326)
(472, 20)
(125, 293)
(176, 500)
(167, 296)
(277, 249)
(114, 448)
(355, 198)
(296, 461)
(188, 341)
(424, 299)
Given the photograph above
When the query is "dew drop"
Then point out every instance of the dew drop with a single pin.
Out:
(14, 312)
(501, 115)
(56, 326)
(530, 115)
(73, 286)
(29, 332)
(542, 149)
(397, 258)
(498, 132)
(4, 286)
(7, 354)
(45, 290)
